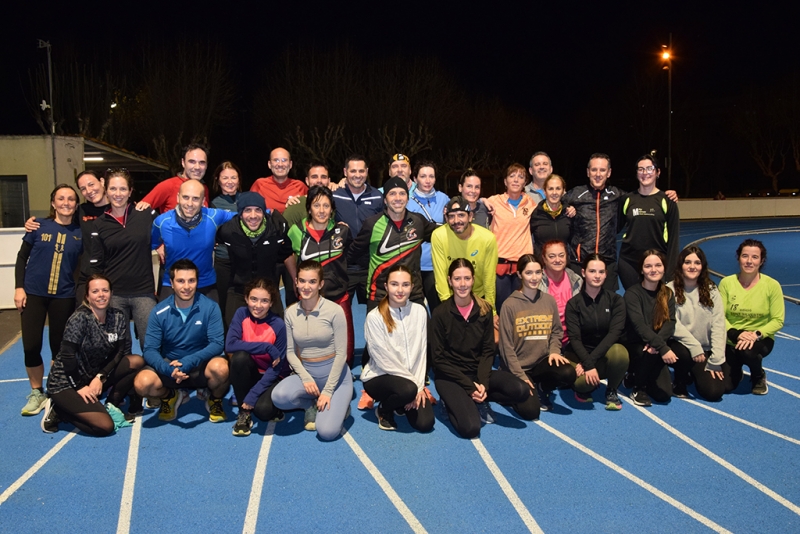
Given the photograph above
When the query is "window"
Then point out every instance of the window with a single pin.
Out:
(13, 201)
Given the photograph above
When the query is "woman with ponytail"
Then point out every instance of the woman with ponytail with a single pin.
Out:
(395, 375)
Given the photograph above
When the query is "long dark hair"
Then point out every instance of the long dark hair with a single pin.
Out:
(594, 256)
(661, 311)
(704, 282)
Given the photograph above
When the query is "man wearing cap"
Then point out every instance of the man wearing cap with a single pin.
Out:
(189, 231)
(462, 239)
(400, 167)
(391, 238)
(257, 242)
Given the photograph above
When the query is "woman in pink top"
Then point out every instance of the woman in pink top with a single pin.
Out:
(558, 279)
(511, 217)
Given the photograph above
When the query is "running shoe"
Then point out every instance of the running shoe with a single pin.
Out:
(310, 418)
(760, 386)
(35, 404)
(430, 396)
(243, 424)
(583, 397)
(365, 402)
(544, 398)
(485, 411)
(216, 413)
(680, 391)
(280, 416)
(135, 405)
(202, 394)
(613, 401)
(385, 422)
(50, 419)
(641, 398)
(151, 403)
(169, 405)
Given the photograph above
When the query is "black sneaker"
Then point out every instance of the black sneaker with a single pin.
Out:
(385, 422)
(680, 391)
(641, 398)
(613, 402)
(544, 398)
(760, 386)
(136, 406)
(243, 424)
(628, 382)
(50, 419)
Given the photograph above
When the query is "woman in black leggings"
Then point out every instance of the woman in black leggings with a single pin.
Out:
(256, 341)
(45, 285)
(463, 349)
(94, 356)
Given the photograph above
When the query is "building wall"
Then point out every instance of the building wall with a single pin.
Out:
(32, 156)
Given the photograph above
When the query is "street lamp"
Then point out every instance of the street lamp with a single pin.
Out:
(666, 56)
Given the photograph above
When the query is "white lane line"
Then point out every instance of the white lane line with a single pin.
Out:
(743, 421)
(780, 388)
(251, 517)
(398, 503)
(35, 467)
(636, 480)
(787, 336)
(128, 485)
(724, 463)
(13, 380)
(787, 375)
(523, 512)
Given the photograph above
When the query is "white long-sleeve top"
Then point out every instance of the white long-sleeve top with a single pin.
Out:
(699, 328)
(403, 352)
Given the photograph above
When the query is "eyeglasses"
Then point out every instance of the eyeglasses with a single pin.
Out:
(646, 170)
(280, 160)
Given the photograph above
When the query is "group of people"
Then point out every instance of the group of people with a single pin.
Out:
(449, 284)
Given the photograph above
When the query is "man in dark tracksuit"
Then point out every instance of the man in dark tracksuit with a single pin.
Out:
(390, 238)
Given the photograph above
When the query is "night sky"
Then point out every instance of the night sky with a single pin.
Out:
(561, 65)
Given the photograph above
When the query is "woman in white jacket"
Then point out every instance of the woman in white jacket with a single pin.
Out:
(396, 333)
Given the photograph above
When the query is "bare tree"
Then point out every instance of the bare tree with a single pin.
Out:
(762, 123)
(186, 90)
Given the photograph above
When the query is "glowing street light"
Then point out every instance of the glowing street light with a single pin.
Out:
(666, 55)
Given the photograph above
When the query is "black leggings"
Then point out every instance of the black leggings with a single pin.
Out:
(57, 311)
(503, 387)
(93, 418)
(429, 289)
(708, 387)
(394, 392)
(550, 377)
(650, 373)
(245, 375)
(751, 358)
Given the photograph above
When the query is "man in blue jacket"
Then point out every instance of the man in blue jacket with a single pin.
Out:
(182, 347)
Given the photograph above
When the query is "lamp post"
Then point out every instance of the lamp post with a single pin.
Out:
(666, 56)
(46, 44)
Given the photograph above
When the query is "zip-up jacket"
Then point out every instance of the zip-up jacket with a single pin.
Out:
(192, 342)
(640, 306)
(123, 253)
(545, 227)
(402, 353)
(593, 325)
(329, 251)
(595, 224)
(265, 341)
(386, 246)
(432, 208)
(251, 258)
(196, 244)
(462, 350)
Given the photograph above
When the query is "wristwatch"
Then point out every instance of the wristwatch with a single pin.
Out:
(101, 377)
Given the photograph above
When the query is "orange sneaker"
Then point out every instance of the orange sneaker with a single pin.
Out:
(430, 396)
(365, 402)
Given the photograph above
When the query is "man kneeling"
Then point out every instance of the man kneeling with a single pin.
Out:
(182, 347)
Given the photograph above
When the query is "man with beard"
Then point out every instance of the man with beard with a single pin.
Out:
(163, 196)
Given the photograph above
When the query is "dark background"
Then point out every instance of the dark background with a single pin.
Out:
(567, 78)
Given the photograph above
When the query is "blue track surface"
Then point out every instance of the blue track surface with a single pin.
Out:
(672, 468)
